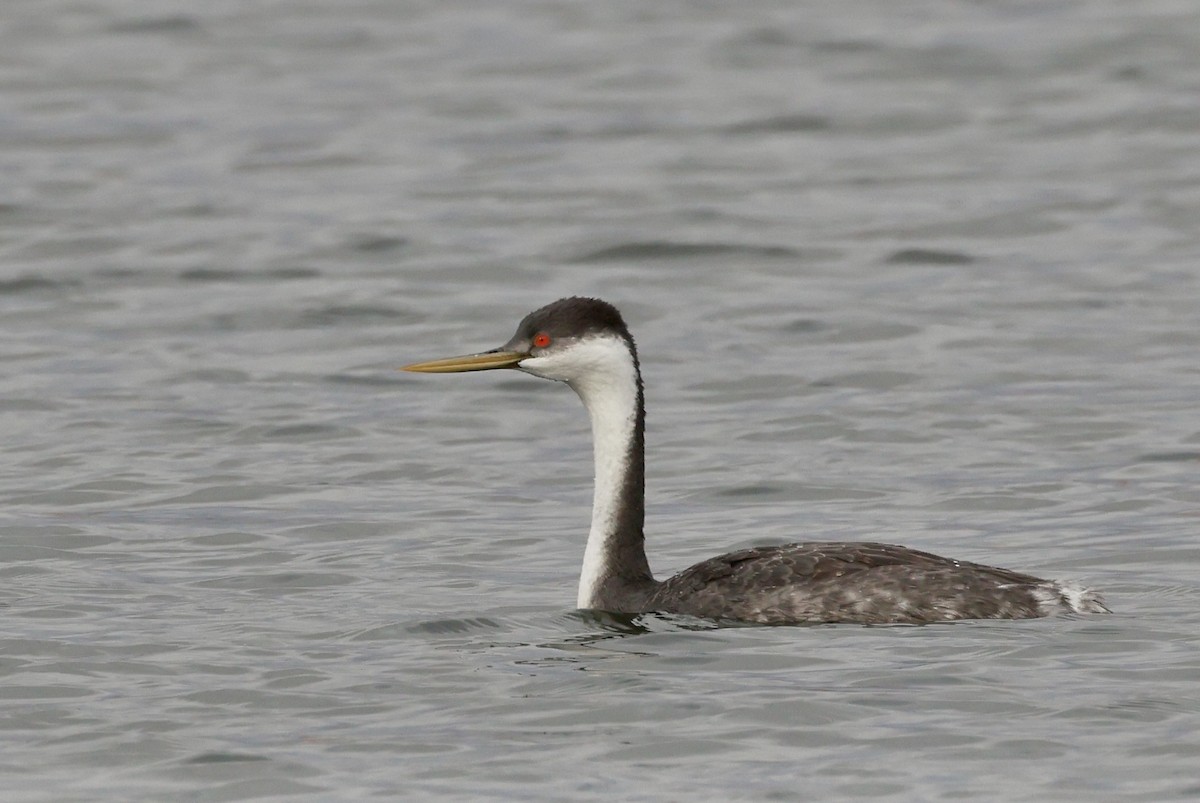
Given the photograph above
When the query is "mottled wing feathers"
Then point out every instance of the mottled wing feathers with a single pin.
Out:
(861, 582)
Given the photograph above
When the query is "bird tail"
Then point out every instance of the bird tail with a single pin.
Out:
(1077, 599)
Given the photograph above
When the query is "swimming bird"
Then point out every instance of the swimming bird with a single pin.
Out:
(585, 343)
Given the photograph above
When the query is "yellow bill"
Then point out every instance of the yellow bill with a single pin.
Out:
(468, 362)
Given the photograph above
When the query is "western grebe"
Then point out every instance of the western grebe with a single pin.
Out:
(584, 342)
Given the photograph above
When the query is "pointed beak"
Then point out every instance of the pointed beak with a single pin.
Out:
(486, 361)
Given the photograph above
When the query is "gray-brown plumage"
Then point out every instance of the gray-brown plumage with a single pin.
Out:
(865, 583)
(584, 342)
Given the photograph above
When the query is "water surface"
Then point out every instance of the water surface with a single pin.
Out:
(921, 274)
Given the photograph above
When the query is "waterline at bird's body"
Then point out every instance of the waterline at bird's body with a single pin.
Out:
(584, 342)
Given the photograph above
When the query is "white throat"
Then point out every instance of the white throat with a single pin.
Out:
(602, 371)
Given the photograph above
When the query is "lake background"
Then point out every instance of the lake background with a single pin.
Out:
(925, 273)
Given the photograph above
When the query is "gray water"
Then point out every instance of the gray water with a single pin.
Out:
(921, 272)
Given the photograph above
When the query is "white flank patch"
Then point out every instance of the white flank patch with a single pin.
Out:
(600, 369)
(1055, 596)
(1080, 599)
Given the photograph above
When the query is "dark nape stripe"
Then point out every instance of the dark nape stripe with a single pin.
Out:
(629, 547)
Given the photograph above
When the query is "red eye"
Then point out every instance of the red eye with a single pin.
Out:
(541, 340)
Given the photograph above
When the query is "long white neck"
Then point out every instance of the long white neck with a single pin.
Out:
(613, 410)
(603, 370)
